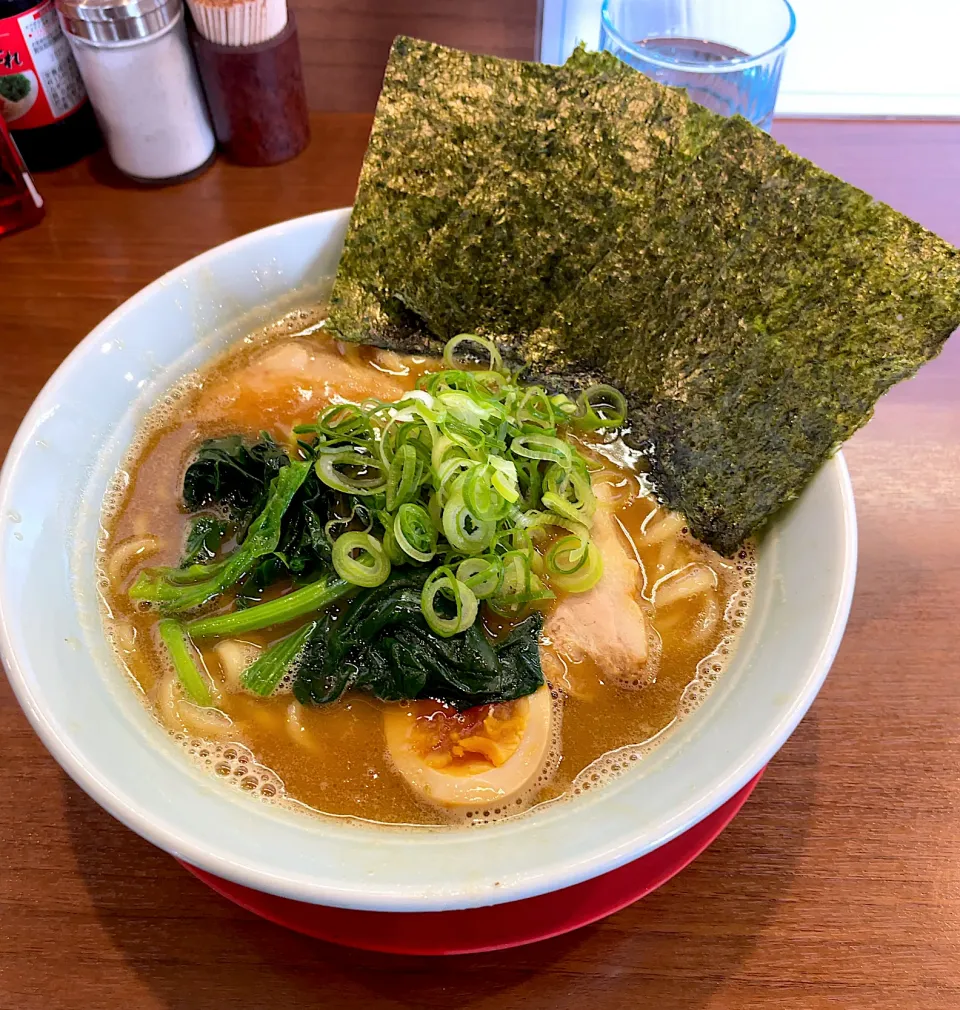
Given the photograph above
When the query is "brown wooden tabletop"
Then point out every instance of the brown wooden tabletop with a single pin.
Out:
(837, 886)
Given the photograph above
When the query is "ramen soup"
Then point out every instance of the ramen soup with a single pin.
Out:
(463, 643)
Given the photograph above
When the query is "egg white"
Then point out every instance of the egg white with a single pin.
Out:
(476, 784)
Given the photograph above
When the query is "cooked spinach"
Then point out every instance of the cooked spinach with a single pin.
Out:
(204, 538)
(232, 474)
(279, 512)
(178, 589)
(307, 599)
(382, 645)
(270, 667)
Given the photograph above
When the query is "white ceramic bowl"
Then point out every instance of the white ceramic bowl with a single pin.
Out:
(88, 716)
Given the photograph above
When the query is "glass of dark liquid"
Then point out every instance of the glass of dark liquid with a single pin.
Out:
(727, 54)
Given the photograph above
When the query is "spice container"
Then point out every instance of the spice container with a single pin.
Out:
(136, 64)
(20, 204)
(42, 97)
(249, 59)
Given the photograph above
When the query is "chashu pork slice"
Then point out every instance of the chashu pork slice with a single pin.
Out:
(605, 628)
(295, 379)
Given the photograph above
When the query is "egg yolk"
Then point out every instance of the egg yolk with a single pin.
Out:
(488, 735)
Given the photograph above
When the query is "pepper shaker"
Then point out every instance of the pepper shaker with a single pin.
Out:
(135, 62)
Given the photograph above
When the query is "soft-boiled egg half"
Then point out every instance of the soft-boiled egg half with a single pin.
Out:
(485, 755)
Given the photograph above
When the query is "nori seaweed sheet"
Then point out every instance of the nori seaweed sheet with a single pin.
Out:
(521, 240)
(751, 306)
(754, 326)
(440, 118)
(456, 139)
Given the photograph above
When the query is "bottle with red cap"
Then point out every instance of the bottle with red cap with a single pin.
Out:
(20, 204)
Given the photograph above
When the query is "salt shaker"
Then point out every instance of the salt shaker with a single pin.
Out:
(136, 64)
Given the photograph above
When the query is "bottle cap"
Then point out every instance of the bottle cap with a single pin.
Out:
(116, 20)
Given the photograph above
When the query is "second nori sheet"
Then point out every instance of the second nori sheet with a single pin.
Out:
(754, 326)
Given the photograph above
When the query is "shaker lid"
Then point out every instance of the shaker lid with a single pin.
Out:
(116, 20)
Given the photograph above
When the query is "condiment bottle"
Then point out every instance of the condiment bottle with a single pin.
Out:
(41, 95)
(20, 204)
(136, 65)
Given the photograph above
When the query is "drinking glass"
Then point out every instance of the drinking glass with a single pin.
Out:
(727, 54)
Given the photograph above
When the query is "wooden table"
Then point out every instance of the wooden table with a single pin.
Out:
(837, 886)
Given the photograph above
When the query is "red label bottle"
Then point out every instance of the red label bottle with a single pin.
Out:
(42, 97)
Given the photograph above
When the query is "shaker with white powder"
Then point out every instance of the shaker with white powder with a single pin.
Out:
(138, 70)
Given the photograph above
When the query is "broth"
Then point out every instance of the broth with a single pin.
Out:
(333, 758)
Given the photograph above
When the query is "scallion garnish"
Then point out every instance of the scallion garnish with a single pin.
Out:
(470, 471)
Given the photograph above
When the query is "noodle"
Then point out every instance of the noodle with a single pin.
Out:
(666, 526)
(295, 728)
(684, 583)
(203, 721)
(126, 553)
(234, 657)
(179, 714)
(707, 620)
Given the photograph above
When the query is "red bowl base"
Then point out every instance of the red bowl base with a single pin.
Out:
(494, 927)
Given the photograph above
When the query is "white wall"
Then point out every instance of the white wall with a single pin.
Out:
(848, 57)
(873, 58)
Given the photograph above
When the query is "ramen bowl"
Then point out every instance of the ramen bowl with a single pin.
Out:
(83, 707)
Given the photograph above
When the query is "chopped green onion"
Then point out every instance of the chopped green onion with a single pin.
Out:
(339, 425)
(535, 522)
(537, 409)
(464, 531)
(414, 533)
(520, 584)
(443, 581)
(569, 492)
(403, 476)
(504, 478)
(546, 447)
(482, 575)
(178, 646)
(390, 545)
(481, 496)
(574, 566)
(450, 470)
(600, 406)
(450, 351)
(362, 484)
(370, 569)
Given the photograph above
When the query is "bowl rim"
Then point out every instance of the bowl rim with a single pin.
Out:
(153, 827)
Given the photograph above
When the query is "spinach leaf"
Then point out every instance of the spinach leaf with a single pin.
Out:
(233, 475)
(179, 589)
(382, 645)
(266, 672)
(304, 545)
(204, 538)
